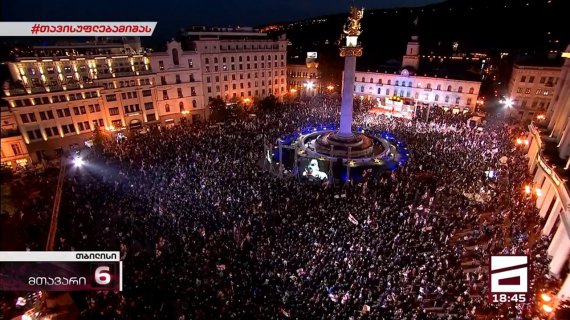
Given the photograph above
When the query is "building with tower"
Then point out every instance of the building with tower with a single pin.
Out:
(405, 88)
(411, 59)
(413, 85)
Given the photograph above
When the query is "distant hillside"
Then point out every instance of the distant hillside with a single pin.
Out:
(477, 25)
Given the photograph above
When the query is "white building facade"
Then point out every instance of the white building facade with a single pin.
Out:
(554, 201)
(413, 88)
(443, 92)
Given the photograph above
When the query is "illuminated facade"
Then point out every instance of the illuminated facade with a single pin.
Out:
(178, 87)
(413, 88)
(13, 148)
(62, 93)
(559, 111)
(239, 64)
(553, 202)
(304, 79)
(531, 89)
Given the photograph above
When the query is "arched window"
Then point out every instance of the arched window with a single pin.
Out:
(181, 105)
(175, 57)
(471, 90)
(215, 60)
(457, 100)
(194, 104)
(397, 83)
(429, 86)
(437, 97)
(401, 93)
(387, 92)
(460, 89)
(380, 81)
(389, 82)
(448, 88)
(361, 88)
(371, 80)
(446, 99)
(362, 79)
(439, 87)
(379, 91)
(167, 107)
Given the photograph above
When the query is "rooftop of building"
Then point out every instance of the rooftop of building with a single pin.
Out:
(433, 69)
(550, 60)
(72, 49)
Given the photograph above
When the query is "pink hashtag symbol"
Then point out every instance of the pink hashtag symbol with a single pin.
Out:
(36, 28)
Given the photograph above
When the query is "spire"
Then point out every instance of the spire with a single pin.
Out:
(415, 29)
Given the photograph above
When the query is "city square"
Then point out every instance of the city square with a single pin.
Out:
(236, 183)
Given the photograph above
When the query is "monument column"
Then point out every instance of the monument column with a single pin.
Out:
(350, 51)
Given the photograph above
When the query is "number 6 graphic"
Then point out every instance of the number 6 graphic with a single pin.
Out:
(102, 275)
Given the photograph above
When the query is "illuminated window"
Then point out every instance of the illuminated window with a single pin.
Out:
(161, 65)
(519, 90)
(527, 91)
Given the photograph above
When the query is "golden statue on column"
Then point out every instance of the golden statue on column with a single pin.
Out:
(352, 28)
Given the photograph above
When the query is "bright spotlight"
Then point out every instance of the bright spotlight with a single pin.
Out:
(78, 162)
(309, 85)
(508, 102)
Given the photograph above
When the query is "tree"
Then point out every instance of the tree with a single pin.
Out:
(218, 109)
(267, 103)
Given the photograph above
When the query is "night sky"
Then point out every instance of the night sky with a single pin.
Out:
(174, 14)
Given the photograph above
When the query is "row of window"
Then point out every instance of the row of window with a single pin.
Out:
(416, 96)
(180, 106)
(240, 58)
(126, 83)
(249, 93)
(304, 74)
(65, 129)
(538, 92)
(54, 99)
(409, 84)
(241, 76)
(550, 80)
(61, 113)
(240, 67)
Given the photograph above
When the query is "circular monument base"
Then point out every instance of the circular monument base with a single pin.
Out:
(356, 145)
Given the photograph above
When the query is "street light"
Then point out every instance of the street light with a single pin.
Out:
(309, 85)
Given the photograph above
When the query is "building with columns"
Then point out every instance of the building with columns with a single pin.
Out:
(413, 86)
(548, 161)
(13, 147)
(60, 94)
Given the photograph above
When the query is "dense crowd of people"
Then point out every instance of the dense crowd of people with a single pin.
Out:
(207, 233)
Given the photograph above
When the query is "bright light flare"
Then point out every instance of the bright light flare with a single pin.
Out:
(330, 87)
(538, 192)
(508, 102)
(547, 308)
(545, 297)
(309, 85)
(527, 189)
(78, 162)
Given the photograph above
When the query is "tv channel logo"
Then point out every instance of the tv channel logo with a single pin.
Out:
(102, 275)
(509, 280)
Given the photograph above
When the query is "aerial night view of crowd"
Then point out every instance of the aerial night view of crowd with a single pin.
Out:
(205, 232)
